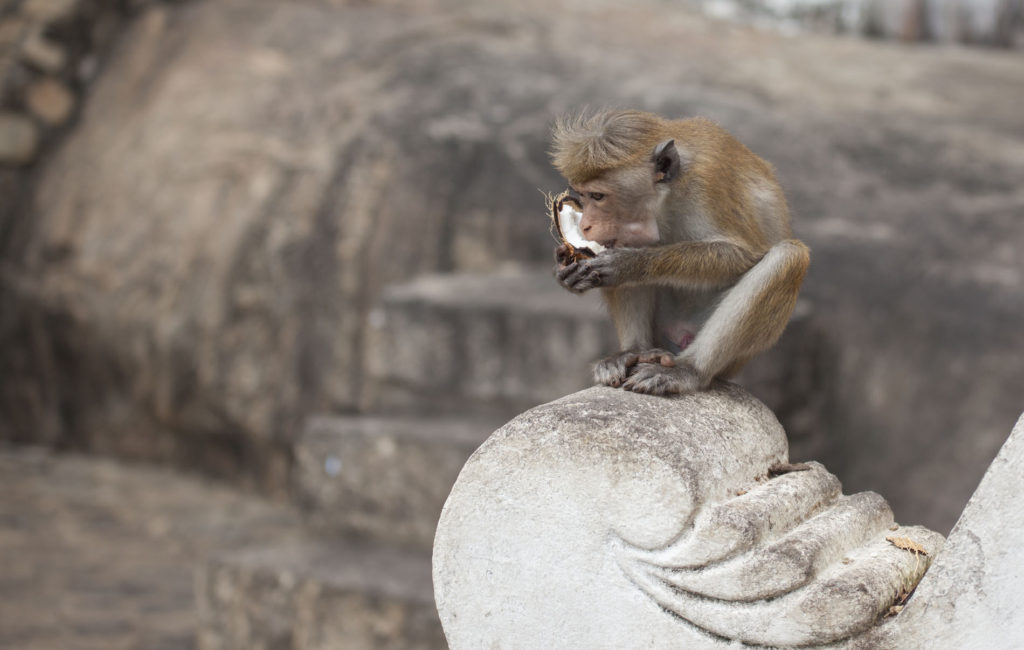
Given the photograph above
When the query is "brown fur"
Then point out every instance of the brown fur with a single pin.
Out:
(584, 147)
(703, 223)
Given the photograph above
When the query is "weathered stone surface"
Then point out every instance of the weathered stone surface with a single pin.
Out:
(19, 139)
(309, 595)
(41, 52)
(98, 555)
(199, 264)
(973, 596)
(47, 11)
(50, 101)
(382, 477)
(285, 207)
(507, 340)
(608, 519)
(503, 342)
(12, 28)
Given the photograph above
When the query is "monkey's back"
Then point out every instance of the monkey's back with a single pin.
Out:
(736, 187)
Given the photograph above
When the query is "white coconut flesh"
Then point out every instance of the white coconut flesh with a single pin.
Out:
(569, 225)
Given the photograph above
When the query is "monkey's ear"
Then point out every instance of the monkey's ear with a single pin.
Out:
(666, 161)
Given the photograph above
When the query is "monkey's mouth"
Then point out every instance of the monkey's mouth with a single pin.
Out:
(566, 213)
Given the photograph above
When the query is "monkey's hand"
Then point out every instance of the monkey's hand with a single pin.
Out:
(614, 370)
(608, 269)
(664, 380)
(562, 257)
(564, 264)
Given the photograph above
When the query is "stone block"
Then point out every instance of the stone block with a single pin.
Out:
(268, 242)
(50, 101)
(382, 477)
(12, 28)
(315, 596)
(19, 139)
(42, 53)
(512, 340)
(48, 11)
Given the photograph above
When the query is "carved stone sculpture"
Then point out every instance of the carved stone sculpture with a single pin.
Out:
(609, 519)
(973, 596)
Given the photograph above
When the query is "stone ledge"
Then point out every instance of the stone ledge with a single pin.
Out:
(311, 594)
(384, 478)
(502, 342)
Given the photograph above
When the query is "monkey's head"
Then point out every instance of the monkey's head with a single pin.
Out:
(622, 164)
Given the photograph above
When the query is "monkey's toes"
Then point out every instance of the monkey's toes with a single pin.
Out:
(661, 380)
(609, 376)
(613, 370)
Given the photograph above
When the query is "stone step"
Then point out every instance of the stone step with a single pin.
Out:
(310, 594)
(502, 342)
(381, 477)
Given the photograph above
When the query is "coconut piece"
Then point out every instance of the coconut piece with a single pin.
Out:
(566, 213)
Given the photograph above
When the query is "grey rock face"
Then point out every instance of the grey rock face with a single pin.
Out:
(19, 139)
(50, 101)
(264, 322)
(197, 268)
(101, 554)
(311, 595)
(381, 477)
(500, 342)
(608, 519)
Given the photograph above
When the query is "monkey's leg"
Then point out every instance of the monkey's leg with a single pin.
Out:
(750, 318)
(632, 311)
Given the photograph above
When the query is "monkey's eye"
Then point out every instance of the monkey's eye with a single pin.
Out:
(597, 196)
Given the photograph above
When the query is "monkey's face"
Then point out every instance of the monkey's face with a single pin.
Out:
(617, 211)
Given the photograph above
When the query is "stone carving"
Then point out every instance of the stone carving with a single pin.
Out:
(973, 596)
(611, 519)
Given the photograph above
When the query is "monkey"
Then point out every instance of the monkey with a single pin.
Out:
(700, 270)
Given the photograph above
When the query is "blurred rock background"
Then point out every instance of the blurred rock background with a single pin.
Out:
(299, 248)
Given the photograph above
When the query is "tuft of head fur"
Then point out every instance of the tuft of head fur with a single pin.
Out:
(585, 146)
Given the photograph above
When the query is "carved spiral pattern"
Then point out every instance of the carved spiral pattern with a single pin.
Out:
(791, 549)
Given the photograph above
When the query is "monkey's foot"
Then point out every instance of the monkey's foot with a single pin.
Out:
(663, 380)
(614, 370)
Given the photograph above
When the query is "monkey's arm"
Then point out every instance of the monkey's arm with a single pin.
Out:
(689, 264)
(749, 318)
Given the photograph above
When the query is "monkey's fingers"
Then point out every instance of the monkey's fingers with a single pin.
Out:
(569, 276)
(613, 370)
(579, 277)
(659, 380)
(562, 255)
(563, 273)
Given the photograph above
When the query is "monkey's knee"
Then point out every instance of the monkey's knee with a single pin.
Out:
(795, 257)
